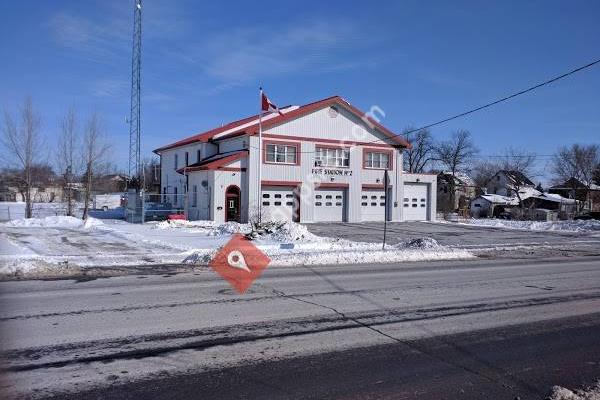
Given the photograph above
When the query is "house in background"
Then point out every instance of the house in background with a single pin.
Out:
(491, 205)
(511, 194)
(573, 188)
(506, 183)
(464, 191)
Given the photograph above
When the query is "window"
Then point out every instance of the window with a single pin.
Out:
(364, 204)
(187, 159)
(289, 203)
(318, 196)
(198, 155)
(176, 160)
(277, 203)
(338, 204)
(277, 196)
(328, 196)
(317, 204)
(195, 196)
(328, 204)
(281, 154)
(377, 160)
(373, 204)
(289, 196)
(265, 203)
(364, 197)
(266, 195)
(328, 157)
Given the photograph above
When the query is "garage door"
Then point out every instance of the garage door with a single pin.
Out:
(279, 203)
(372, 205)
(329, 205)
(415, 202)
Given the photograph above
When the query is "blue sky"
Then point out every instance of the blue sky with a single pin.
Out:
(203, 63)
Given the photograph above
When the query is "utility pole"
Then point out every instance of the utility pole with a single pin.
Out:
(135, 112)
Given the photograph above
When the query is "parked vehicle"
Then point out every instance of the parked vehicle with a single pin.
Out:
(589, 215)
(109, 201)
(155, 211)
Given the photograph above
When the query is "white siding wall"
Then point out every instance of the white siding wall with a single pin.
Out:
(238, 143)
(320, 125)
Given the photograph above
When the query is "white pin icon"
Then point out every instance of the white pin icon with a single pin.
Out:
(235, 259)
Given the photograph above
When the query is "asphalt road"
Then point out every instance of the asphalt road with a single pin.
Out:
(490, 241)
(348, 332)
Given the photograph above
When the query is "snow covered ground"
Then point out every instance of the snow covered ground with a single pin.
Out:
(59, 245)
(560, 226)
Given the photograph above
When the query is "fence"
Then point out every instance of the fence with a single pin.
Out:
(143, 207)
(16, 210)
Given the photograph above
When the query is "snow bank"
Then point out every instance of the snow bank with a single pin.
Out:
(36, 267)
(54, 222)
(559, 226)
(279, 232)
(561, 393)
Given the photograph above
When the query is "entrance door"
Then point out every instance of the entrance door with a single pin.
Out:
(232, 204)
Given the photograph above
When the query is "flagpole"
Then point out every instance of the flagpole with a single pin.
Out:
(260, 155)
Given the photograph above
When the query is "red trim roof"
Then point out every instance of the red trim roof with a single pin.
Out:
(287, 116)
(213, 163)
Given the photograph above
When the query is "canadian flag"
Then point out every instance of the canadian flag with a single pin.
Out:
(267, 105)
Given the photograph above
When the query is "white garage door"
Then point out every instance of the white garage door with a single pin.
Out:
(329, 205)
(279, 203)
(415, 202)
(372, 205)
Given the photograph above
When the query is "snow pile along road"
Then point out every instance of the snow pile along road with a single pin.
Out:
(559, 226)
(54, 222)
(58, 246)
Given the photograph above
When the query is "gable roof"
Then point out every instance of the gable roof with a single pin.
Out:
(517, 177)
(215, 162)
(250, 125)
(574, 183)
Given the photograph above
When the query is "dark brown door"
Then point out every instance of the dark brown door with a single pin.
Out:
(232, 204)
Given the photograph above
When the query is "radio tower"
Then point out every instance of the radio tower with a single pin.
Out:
(135, 170)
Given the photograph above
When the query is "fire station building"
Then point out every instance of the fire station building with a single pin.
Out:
(322, 161)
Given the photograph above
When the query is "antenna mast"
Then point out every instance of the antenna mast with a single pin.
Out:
(134, 118)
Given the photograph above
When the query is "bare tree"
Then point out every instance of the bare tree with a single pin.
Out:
(521, 166)
(422, 151)
(577, 163)
(455, 155)
(23, 145)
(483, 171)
(66, 160)
(94, 153)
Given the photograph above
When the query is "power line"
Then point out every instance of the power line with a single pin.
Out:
(493, 103)
(503, 99)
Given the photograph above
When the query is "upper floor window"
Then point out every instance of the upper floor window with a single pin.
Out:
(187, 159)
(378, 160)
(329, 157)
(176, 160)
(281, 154)
(198, 155)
